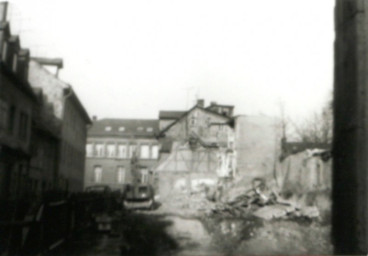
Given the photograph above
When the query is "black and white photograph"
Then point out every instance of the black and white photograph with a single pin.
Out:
(183, 128)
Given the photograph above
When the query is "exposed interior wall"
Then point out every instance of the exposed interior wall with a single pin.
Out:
(177, 182)
(257, 145)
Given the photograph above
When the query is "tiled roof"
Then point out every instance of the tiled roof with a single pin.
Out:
(124, 127)
(162, 132)
(171, 114)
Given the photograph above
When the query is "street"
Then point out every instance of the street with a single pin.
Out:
(144, 233)
(155, 233)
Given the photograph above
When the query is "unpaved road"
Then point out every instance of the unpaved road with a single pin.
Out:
(153, 233)
(144, 234)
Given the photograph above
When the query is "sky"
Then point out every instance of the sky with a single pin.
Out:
(133, 58)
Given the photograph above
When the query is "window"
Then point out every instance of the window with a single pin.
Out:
(11, 119)
(120, 175)
(140, 128)
(15, 60)
(111, 150)
(3, 114)
(89, 149)
(122, 151)
(145, 151)
(23, 125)
(100, 150)
(149, 129)
(208, 122)
(193, 118)
(4, 52)
(108, 128)
(225, 111)
(154, 152)
(132, 150)
(98, 173)
(144, 175)
(121, 128)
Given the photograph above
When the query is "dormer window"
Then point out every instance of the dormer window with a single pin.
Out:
(4, 52)
(15, 61)
(140, 128)
(149, 129)
(121, 128)
(108, 128)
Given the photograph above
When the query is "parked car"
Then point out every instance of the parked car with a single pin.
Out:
(140, 196)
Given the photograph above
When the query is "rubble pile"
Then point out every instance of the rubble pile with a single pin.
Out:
(194, 204)
(303, 191)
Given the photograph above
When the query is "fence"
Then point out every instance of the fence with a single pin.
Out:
(28, 228)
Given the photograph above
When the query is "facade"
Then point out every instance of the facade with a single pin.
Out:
(45, 141)
(198, 147)
(17, 102)
(121, 151)
(66, 107)
(257, 143)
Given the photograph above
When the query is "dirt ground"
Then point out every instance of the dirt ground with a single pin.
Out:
(154, 233)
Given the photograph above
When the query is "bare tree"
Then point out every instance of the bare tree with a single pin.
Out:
(317, 128)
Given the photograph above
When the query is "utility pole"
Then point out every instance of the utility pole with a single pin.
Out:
(350, 143)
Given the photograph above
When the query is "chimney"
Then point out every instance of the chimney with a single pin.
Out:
(3, 11)
(200, 103)
(94, 118)
(53, 65)
(213, 103)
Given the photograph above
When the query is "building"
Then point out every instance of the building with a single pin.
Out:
(17, 102)
(257, 144)
(197, 147)
(121, 151)
(62, 100)
(45, 141)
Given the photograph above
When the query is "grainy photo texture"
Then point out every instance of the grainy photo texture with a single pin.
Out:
(197, 127)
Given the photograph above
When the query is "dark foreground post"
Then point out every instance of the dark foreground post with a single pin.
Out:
(350, 164)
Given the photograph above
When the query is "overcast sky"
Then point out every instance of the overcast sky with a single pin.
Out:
(130, 59)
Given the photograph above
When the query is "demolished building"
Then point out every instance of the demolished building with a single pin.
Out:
(199, 149)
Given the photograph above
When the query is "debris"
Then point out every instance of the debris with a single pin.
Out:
(273, 211)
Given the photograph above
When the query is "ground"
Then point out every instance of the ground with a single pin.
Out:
(164, 232)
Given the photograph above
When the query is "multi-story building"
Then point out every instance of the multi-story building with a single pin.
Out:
(68, 109)
(17, 101)
(197, 147)
(113, 144)
(45, 141)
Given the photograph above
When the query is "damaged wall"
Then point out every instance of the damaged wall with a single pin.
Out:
(257, 143)
(303, 173)
(177, 182)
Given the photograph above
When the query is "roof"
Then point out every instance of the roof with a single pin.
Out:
(186, 113)
(167, 114)
(220, 105)
(70, 91)
(124, 128)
